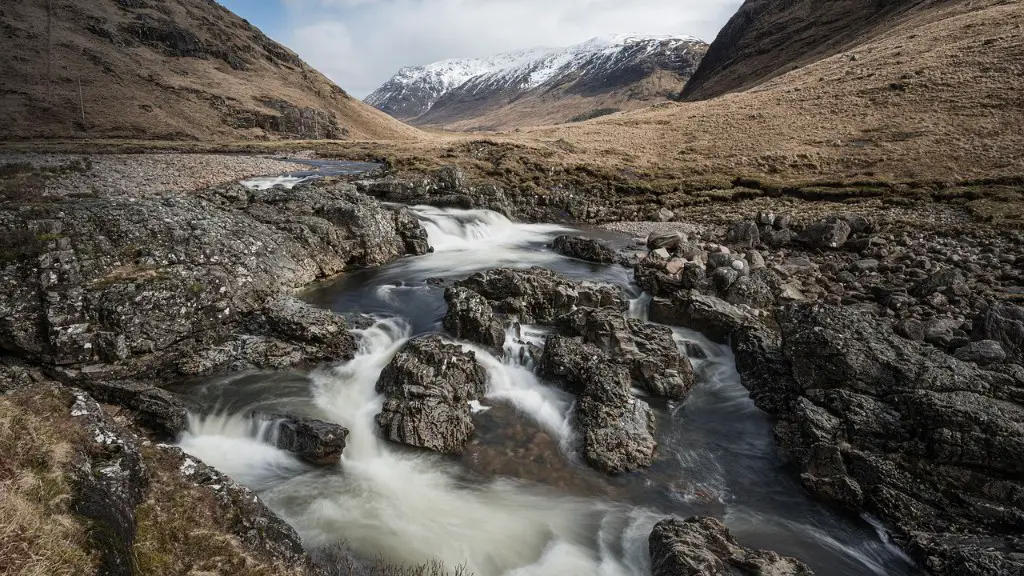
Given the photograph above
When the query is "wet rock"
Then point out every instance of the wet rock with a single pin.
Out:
(892, 427)
(702, 546)
(648, 351)
(1003, 323)
(830, 233)
(470, 317)
(155, 409)
(714, 317)
(427, 389)
(298, 321)
(617, 429)
(585, 249)
(539, 295)
(982, 353)
(315, 441)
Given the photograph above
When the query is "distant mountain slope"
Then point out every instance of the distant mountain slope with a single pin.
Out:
(766, 38)
(542, 85)
(167, 69)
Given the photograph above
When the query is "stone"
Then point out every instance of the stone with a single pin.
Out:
(427, 389)
(616, 429)
(756, 259)
(864, 266)
(1003, 323)
(911, 329)
(724, 277)
(946, 281)
(713, 317)
(647, 350)
(315, 441)
(469, 317)
(703, 546)
(538, 295)
(661, 254)
(585, 249)
(830, 233)
(982, 353)
(743, 234)
(665, 215)
(667, 240)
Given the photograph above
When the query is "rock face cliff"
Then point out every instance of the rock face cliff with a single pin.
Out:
(542, 85)
(766, 38)
(177, 69)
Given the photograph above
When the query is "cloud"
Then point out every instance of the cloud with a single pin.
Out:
(361, 43)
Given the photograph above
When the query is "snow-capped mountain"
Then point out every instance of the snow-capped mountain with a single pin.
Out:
(627, 71)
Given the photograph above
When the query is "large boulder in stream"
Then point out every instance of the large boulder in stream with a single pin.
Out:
(539, 295)
(427, 389)
(315, 441)
(471, 318)
(583, 248)
(714, 317)
(648, 351)
(879, 424)
(702, 546)
(616, 429)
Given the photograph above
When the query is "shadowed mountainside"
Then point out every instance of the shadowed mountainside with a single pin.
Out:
(175, 70)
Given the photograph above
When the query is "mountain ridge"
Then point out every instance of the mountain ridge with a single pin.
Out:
(455, 92)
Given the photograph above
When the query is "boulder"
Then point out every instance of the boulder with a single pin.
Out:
(315, 441)
(830, 233)
(585, 249)
(470, 318)
(616, 430)
(702, 546)
(666, 240)
(648, 351)
(743, 234)
(427, 389)
(538, 295)
(713, 317)
(947, 281)
(1003, 323)
(982, 353)
(304, 323)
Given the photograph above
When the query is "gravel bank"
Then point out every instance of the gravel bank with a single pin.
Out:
(643, 229)
(145, 174)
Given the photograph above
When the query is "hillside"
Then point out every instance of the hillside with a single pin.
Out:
(766, 38)
(175, 70)
(543, 85)
(938, 96)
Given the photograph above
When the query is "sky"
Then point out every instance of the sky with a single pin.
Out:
(359, 44)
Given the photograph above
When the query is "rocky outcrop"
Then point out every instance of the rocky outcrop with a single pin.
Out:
(427, 389)
(648, 351)
(187, 285)
(470, 317)
(715, 318)
(898, 429)
(702, 546)
(315, 441)
(539, 295)
(583, 248)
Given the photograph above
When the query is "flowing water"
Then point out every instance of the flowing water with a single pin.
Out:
(518, 502)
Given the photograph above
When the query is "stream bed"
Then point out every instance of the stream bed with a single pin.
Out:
(519, 501)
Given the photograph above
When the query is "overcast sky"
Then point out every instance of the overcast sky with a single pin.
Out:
(361, 43)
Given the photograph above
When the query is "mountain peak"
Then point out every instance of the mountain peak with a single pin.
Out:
(600, 65)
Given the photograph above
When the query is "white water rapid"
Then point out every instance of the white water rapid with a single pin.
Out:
(716, 454)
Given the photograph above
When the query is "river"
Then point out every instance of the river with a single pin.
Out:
(519, 501)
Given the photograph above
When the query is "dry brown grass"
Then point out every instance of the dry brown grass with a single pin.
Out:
(39, 536)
